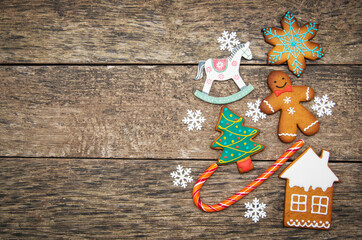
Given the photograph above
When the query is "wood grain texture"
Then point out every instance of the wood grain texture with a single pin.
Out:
(83, 82)
(165, 31)
(66, 198)
(137, 112)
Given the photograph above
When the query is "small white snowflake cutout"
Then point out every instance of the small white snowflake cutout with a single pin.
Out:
(323, 106)
(181, 176)
(291, 110)
(194, 120)
(255, 210)
(228, 41)
(287, 100)
(254, 111)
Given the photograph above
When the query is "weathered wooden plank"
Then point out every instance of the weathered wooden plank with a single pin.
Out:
(137, 112)
(164, 31)
(135, 198)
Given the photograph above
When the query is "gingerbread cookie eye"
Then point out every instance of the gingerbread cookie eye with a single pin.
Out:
(292, 44)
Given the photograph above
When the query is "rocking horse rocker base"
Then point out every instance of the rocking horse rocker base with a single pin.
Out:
(224, 100)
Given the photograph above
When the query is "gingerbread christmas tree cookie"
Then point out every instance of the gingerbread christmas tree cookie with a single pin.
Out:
(292, 44)
(286, 98)
(236, 141)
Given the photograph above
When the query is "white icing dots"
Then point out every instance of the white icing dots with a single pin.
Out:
(308, 224)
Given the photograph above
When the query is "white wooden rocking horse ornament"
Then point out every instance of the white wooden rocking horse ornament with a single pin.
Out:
(221, 70)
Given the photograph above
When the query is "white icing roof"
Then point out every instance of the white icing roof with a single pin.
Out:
(310, 170)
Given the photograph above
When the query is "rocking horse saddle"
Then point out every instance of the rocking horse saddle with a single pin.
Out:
(220, 65)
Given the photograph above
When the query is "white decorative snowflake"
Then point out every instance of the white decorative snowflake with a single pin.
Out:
(255, 210)
(193, 120)
(228, 41)
(323, 106)
(254, 111)
(181, 176)
(287, 100)
(291, 110)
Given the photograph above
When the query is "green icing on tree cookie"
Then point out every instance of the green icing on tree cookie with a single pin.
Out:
(235, 140)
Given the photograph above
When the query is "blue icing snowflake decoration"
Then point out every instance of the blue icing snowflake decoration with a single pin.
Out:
(292, 44)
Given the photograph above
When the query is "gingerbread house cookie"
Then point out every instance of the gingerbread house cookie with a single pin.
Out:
(309, 191)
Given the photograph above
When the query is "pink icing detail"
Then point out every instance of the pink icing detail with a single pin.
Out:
(208, 81)
(208, 69)
(236, 77)
(221, 76)
(234, 63)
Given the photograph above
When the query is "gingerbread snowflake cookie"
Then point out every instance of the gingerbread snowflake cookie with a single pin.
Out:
(287, 98)
(292, 44)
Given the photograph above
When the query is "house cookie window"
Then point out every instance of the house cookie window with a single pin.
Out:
(320, 205)
(298, 203)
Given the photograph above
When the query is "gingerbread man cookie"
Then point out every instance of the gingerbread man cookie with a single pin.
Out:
(287, 98)
(292, 44)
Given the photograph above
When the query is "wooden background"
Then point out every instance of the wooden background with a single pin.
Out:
(93, 94)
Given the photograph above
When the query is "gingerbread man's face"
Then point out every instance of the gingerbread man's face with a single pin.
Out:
(278, 80)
